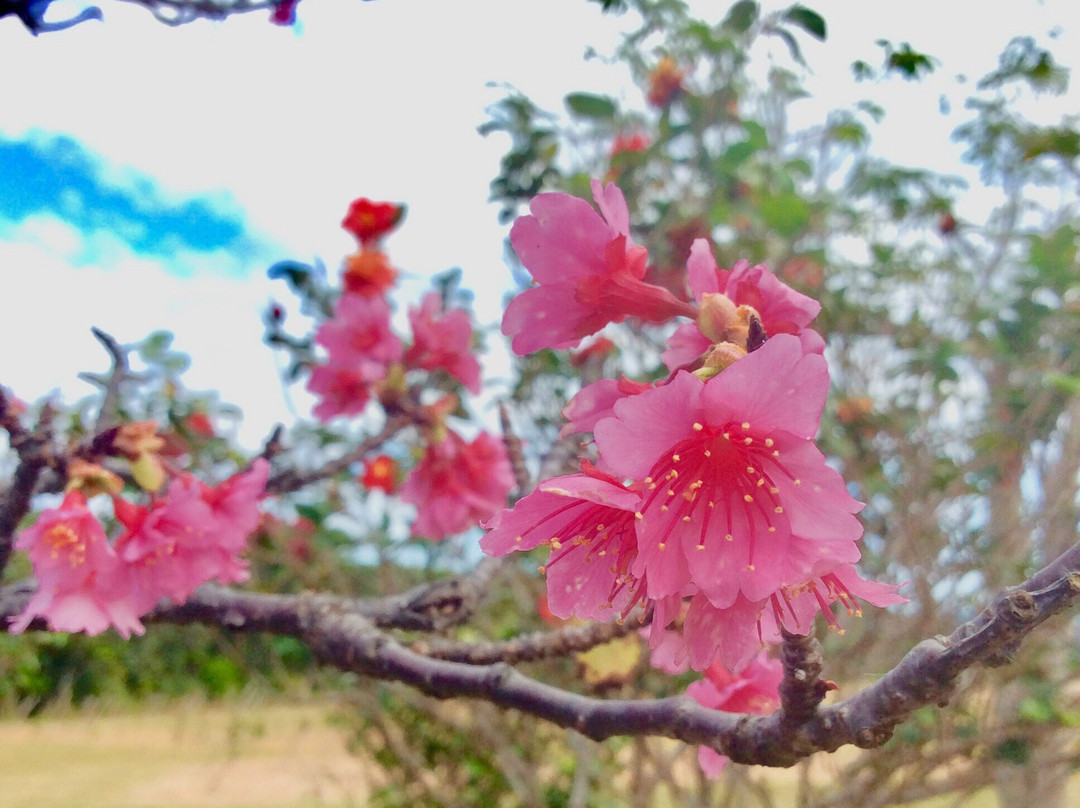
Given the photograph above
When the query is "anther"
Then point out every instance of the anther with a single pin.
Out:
(778, 509)
(748, 441)
(769, 442)
(747, 498)
(745, 424)
(698, 427)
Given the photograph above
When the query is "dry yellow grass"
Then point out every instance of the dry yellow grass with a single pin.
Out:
(182, 756)
(222, 755)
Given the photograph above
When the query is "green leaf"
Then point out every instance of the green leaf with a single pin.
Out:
(736, 154)
(155, 346)
(792, 44)
(1036, 710)
(756, 134)
(786, 213)
(588, 105)
(1070, 385)
(1014, 750)
(807, 19)
(741, 16)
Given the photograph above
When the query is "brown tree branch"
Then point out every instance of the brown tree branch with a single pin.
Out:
(288, 480)
(529, 647)
(342, 635)
(33, 451)
(181, 12)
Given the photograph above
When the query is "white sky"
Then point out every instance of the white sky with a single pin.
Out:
(377, 99)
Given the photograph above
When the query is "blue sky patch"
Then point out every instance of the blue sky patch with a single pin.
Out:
(56, 175)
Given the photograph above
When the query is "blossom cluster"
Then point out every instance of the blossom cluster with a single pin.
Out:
(192, 534)
(456, 484)
(707, 500)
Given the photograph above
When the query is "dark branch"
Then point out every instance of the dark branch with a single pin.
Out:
(33, 451)
(528, 647)
(291, 480)
(346, 634)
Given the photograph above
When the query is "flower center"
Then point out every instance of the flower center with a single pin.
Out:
(719, 481)
(62, 539)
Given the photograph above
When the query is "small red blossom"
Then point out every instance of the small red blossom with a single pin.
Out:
(458, 484)
(199, 423)
(947, 224)
(380, 472)
(665, 83)
(442, 340)
(368, 273)
(369, 221)
(588, 270)
(634, 142)
(284, 12)
(600, 348)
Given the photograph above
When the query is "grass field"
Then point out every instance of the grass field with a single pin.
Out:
(231, 754)
(183, 756)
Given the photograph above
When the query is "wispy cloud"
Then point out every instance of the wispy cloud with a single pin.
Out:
(55, 175)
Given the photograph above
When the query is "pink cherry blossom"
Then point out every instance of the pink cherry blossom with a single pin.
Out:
(235, 504)
(192, 535)
(168, 545)
(596, 401)
(782, 309)
(82, 583)
(755, 691)
(732, 635)
(361, 347)
(360, 332)
(588, 270)
(588, 522)
(443, 340)
(457, 485)
(737, 499)
(341, 390)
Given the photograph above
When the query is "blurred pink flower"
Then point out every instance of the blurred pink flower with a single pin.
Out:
(443, 340)
(457, 485)
(361, 347)
(588, 271)
(596, 401)
(82, 583)
(195, 533)
(755, 691)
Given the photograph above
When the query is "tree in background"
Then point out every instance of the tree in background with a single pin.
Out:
(679, 495)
